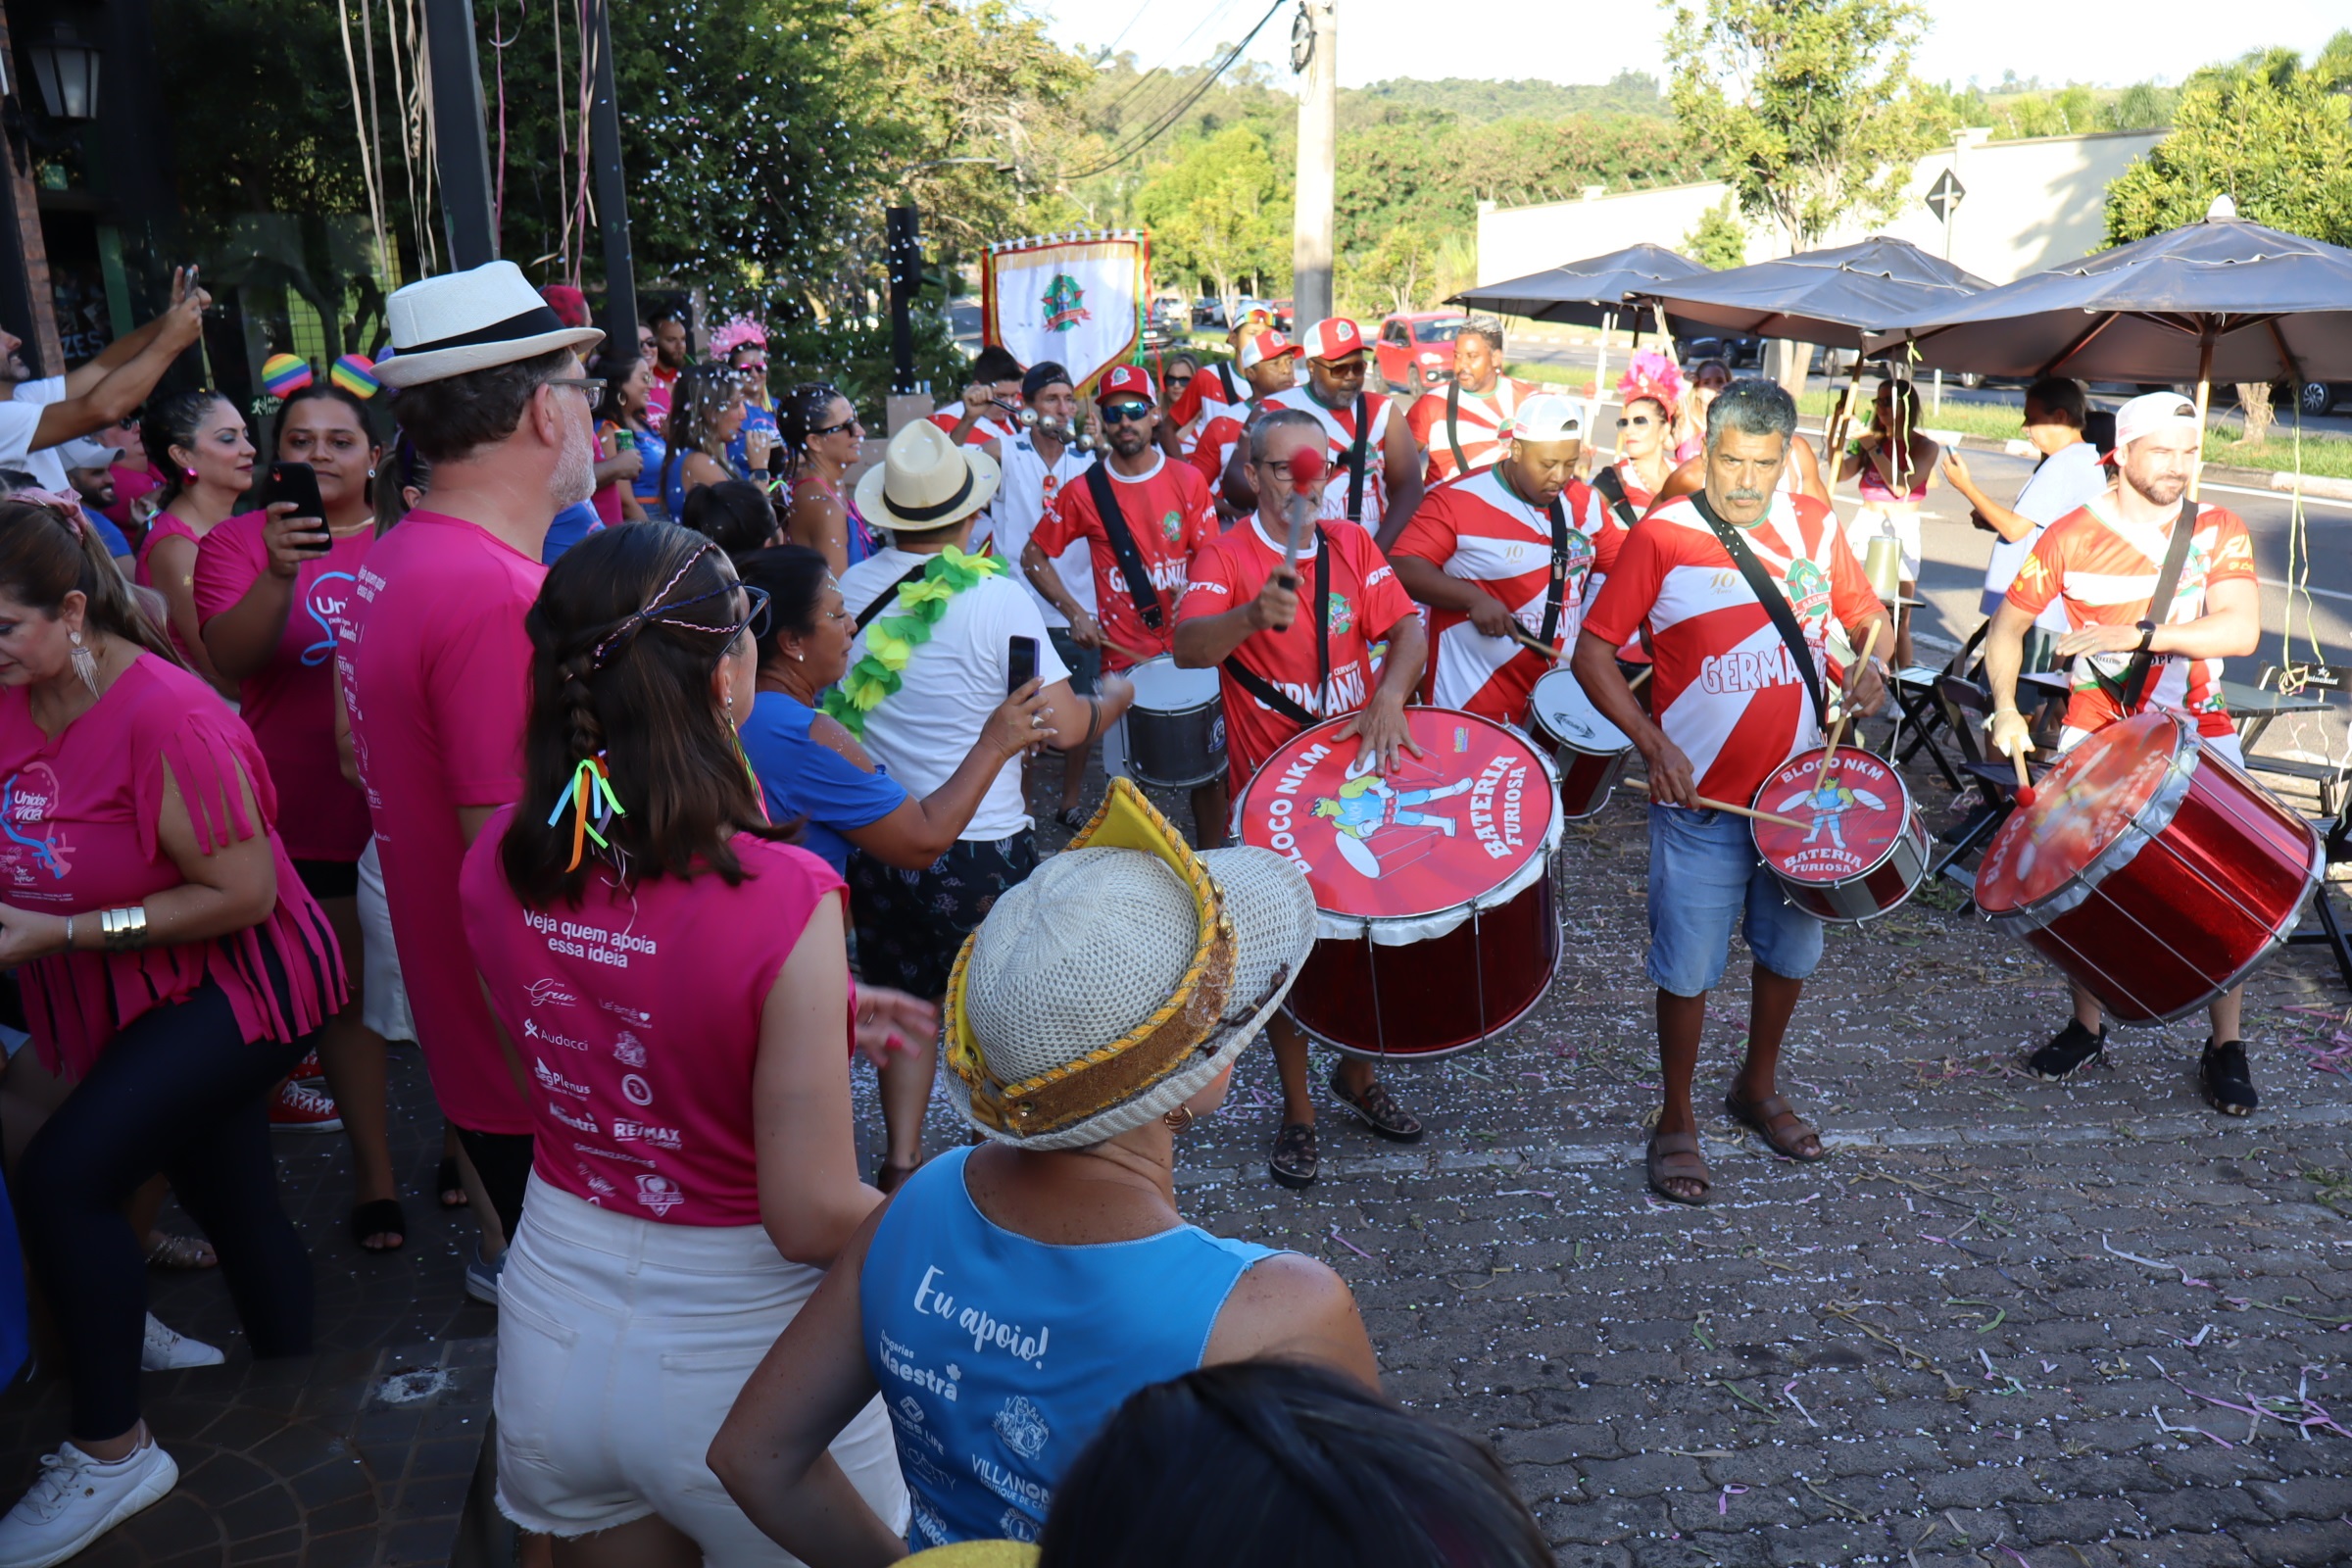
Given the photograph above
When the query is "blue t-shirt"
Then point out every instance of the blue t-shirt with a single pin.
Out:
(805, 777)
(755, 417)
(651, 450)
(116, 543)
(572, 524)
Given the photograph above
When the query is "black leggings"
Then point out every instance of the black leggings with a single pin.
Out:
(503, 1160)
(178, 1091)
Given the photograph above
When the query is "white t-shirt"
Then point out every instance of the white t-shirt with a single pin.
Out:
(2061, 483)
(20, 417)
(1023, 498)
(923, 731)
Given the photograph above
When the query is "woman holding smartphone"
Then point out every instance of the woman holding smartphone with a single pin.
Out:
(273, 593)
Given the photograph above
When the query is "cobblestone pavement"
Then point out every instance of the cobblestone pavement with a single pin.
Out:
(2003, 1323)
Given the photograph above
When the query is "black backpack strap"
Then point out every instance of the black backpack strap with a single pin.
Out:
(2133, 688)
(888, 594)
(1264, 690)
(1225, 376)
(1612, 490)
(1453, 428)
(1356, 461)
(1772, 597)
(1557, 587)
(1122, 547)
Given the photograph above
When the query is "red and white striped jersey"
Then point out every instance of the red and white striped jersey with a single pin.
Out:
(1727, 692)
(1479, 431)
(1225, 430)
(1213, 390)
(1479, 531)
(988, 427)
(1339, 429)
(2104, 570)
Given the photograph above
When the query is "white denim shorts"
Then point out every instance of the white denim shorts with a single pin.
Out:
(621, 1346)
(384, 1001)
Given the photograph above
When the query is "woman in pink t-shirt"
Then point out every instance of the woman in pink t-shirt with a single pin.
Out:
(198, 440)
(674, 980)
(172, 967)
(273, 595)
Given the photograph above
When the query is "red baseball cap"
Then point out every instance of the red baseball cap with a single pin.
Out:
(1332, 338)
(1265, 346)
(1125, 380)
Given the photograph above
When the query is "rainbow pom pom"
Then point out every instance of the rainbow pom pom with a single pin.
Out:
(285, 374)
(355, 373)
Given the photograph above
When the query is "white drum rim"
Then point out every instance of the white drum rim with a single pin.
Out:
(1542, 733)
(1163, 666)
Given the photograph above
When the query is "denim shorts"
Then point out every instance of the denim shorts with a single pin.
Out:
(1703, 872)
(1084, 663)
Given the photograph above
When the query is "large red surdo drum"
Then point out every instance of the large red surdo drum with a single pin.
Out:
(1438, 926)
(2150, 870)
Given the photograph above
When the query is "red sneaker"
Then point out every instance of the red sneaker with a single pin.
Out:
(308, 1070)
(300, 1108)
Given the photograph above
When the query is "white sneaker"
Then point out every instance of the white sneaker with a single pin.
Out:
(167, 1349)
(78, 1500)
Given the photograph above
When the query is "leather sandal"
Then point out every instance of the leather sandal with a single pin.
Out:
(890, 1175)
(1776, 1121)
(376, 1219)
(1675, 1157)
(1294, 1162)
(1378, 1109)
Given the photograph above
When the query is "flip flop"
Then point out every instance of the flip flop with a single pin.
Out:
(1675, 1156)
(1777, 1122)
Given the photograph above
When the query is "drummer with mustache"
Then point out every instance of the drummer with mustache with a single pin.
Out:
(2103, 562)
(1504, 554)
(1141, 515)
(1283, 671)
(1731, 705)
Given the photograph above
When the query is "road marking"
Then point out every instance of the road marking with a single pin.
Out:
(2318, 593)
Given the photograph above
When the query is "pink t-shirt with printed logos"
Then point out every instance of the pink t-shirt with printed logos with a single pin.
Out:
(437, 672)
(290, 706)
(638, 1017)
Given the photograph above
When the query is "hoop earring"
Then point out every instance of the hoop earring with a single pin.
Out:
(1179, 1119)
(85, 664)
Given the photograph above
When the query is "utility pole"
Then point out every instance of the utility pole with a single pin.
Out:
(1315, 58)
(612, 189)
(460, 151)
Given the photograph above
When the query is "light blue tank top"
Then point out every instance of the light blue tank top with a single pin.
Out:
(1000, 1358)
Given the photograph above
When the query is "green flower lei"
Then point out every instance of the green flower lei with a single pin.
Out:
(891, 641)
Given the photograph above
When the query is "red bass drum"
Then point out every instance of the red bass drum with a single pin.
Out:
(2150, 871)
(1438, 926)
(1863, 850)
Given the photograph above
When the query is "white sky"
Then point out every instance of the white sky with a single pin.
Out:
(2096, 42)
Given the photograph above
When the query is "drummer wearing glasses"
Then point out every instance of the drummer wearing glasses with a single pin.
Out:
(1735, 684)
(1283, 671)
(1141, 515)
(2106, 564)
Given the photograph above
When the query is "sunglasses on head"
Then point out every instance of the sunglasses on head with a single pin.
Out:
(1121, 413)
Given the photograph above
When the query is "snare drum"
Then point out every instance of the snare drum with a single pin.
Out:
(1863, 850)
(2152, 872)
(1176, 730)
(1438, 926)
(1592, 753)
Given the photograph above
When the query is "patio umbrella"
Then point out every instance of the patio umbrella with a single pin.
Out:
(1841, 297)
(2221, 297)
(1590, 293)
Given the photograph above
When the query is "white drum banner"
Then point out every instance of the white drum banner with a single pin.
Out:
(1068, 298)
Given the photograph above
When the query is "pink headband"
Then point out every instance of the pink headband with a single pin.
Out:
(68, 506)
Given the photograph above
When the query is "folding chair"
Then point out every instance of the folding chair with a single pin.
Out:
(2331, 934)
(1966, 707)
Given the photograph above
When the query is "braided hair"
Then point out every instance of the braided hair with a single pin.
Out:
(627, 630)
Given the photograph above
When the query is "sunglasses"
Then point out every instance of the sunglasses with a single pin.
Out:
(1121, 413)
(850, 424)
(1640, 422)
(593, 386)
(752, 367)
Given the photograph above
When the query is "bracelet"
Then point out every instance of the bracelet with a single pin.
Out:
(69, 933)
(125, 929)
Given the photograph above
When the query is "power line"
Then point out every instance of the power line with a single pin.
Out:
(1161, 126)
(1212, 13)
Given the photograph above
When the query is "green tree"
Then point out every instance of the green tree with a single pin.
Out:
(1396, 274)
(2143, 106)
(1221, 213)
(1809, 104)
(1720, 239)
(2264, 131)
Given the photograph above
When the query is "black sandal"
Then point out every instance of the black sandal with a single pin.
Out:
(449, 1189)
(1071, 816)
(1378, 1109)
(890, 1175)
(2229, 1085)
(1294, 1162)
(379, 1216)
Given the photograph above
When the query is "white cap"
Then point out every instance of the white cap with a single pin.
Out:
(1548, 416)
(87, 452)
(2156, 411)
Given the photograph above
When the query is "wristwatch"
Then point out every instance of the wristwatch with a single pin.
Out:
(2147, 635)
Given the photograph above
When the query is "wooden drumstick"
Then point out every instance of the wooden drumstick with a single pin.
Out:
(1133, 656)
(1823, 777)
(1536, 645)
(2025, 780)
(1642, 785)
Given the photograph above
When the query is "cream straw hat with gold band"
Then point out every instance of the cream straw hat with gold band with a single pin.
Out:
(1119, 979)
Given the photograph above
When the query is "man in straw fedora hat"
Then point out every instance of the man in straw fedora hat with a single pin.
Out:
(931, 658)
(486, 383)
(1009, 1296)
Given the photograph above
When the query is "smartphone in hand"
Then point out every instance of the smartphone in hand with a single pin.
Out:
(1020, 664)
(297, 482)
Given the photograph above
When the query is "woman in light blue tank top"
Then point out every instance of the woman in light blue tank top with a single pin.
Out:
(1010, 1296)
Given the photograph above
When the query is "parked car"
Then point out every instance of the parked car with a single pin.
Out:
(1415, 350)
(1735, 349)
(1283, 315)
(1209, 311)
(2316, 397)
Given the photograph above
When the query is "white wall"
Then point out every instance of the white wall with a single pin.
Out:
(2030, 205)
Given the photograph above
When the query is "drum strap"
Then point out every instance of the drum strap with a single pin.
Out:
(2128, 692)
(1264, 690)
(1453, 428)
(1612, 490)
(1122, 547)
(1356, 461)
(1554, 593)
(1771, 595)
(1225, 374)
(889, 593)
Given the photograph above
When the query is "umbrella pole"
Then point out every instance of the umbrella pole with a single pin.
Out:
(2196, 472)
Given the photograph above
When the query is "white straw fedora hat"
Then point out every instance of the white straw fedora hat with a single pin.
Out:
(1119, 979)
(459, 322)
(925, 482)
